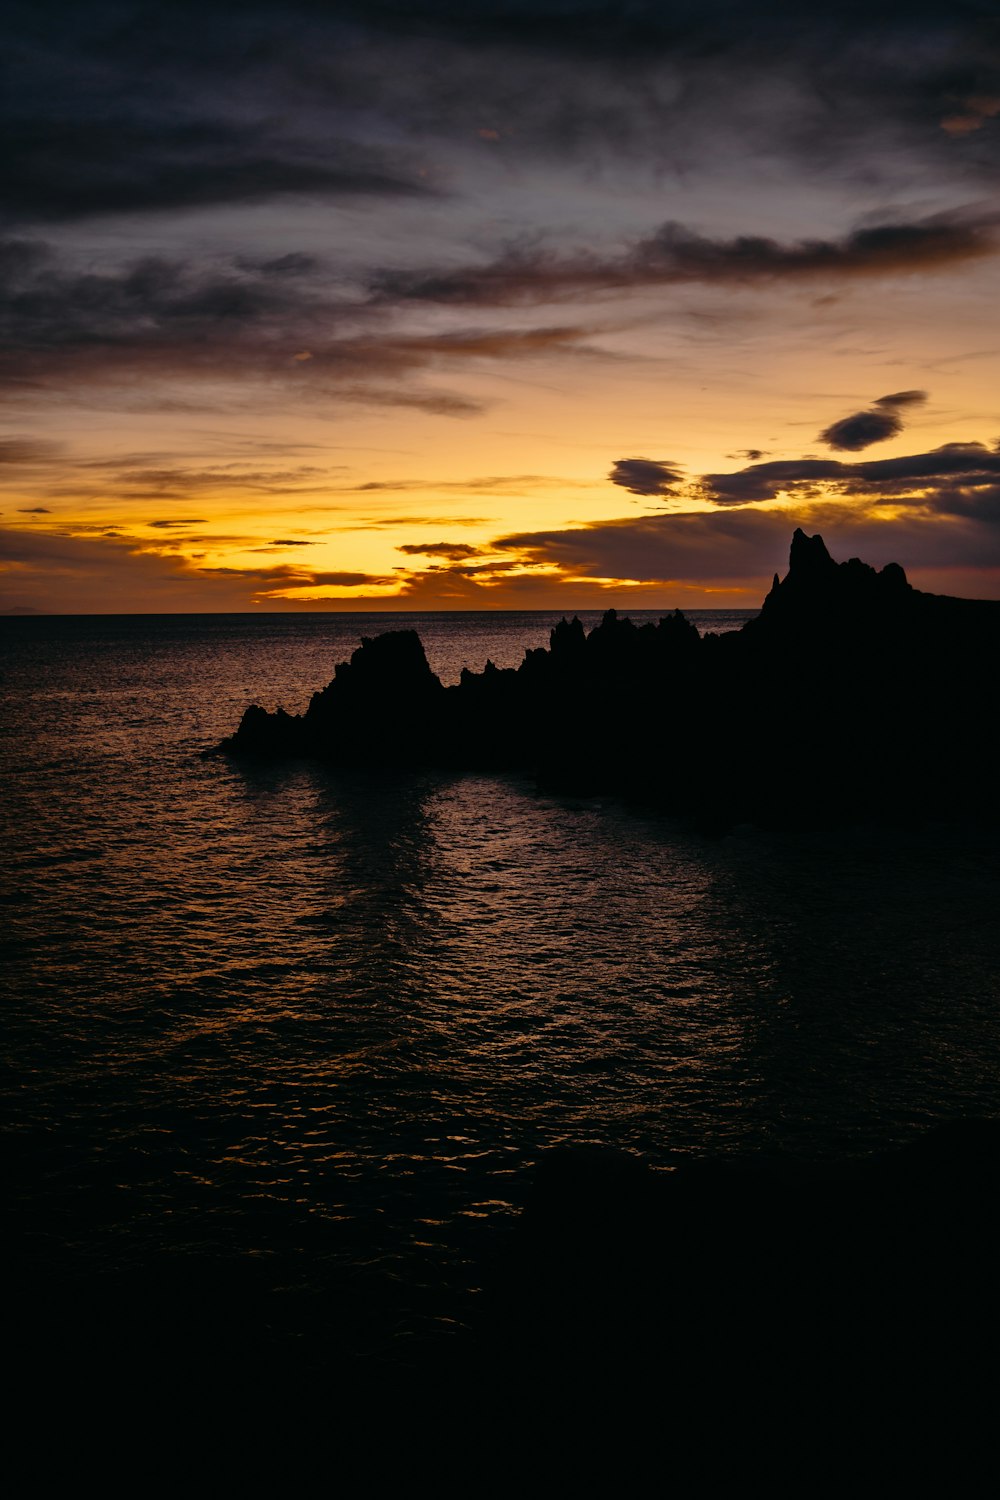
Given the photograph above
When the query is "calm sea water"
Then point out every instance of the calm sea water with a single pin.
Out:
(332, 1017)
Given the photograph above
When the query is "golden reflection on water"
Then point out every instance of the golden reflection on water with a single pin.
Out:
(272, 1004)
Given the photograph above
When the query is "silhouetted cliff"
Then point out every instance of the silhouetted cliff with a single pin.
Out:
(851, 695)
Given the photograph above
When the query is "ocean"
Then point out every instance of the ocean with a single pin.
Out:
(314, 1027)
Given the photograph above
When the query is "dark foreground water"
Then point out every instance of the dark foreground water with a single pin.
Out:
(325, 1021)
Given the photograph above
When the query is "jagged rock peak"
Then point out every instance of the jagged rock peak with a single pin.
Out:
(810, 563)
(808, 555)
(568, 637)
(894, 576)
(393, 657)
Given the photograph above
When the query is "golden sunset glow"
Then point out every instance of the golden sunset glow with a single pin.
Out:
(500, 578)
(410, 383)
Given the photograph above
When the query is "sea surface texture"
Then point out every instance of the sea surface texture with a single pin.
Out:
(326, 1021)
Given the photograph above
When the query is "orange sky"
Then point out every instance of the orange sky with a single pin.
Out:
(425, 381)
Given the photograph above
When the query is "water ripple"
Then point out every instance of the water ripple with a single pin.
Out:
(283, 1010)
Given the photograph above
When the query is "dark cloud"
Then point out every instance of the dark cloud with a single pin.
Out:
(608, 29)
(603, 27)
(481, 343)
(95, 569)
(114, 166)
(500, 484)
(290, 542)
(733, 547)
(645, 476)
(126, 106)
(882, 420)
(765, 481)
(176, 486)
(150, 307)
(674, 252)
(186, 521)
(379, 523)
(968, 464)
(844, 90)
(902, 398)
(234, 319)
(972, 461)
(453, 551)
(860, 430)
(281, 578)
(347, 580)
(980, 502)
(52, 572)
(121, 107)
(26, 451)
(33, 510)
(675, 255)
(132, 480)
(435, 403)
(661, 548)
(476, 570)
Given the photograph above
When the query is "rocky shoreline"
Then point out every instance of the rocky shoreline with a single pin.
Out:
(850, 696)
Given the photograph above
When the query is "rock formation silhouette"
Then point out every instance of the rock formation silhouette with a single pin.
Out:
(850, 696)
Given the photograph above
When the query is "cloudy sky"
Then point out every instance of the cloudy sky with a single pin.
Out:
(527, 303)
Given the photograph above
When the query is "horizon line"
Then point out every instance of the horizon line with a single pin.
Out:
(174, 614)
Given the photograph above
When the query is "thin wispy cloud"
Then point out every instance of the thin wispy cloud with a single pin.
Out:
(675, 255)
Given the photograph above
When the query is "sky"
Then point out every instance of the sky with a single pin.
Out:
(522, 304)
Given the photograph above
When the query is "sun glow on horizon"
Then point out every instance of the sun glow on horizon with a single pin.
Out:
(519, 362)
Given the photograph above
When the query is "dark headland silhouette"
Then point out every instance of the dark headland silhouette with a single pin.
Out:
(851, 695)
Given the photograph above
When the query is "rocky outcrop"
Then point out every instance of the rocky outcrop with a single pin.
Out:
(852, 695)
